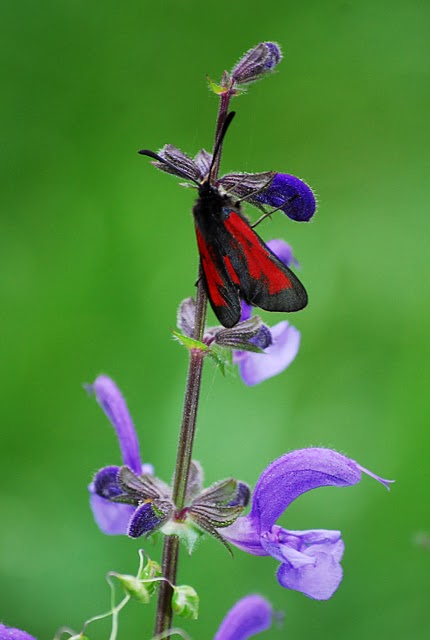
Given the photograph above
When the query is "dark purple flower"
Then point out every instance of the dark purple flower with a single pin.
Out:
(310, 560)
(291, 195)
(281, 341)
(113, 518)
(9, 633)
(249, 616)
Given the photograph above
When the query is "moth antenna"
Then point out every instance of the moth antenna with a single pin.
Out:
(267, 214)
(220, 140)
(155, 156)
(256, 192)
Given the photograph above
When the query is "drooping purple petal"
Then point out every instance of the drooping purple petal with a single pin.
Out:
(249, 616)
(293, 196)
(283, 251)
(111, 517)
(257, 367)
(318, 580)
(113, 404)
(295, 473)
(9, 633)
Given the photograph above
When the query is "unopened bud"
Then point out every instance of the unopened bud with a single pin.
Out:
(257, 62)
(185, 602)
(134, 588)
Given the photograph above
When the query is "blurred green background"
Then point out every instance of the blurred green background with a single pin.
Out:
(97, 249)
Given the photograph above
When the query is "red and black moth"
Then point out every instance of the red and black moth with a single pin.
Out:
(236, 263)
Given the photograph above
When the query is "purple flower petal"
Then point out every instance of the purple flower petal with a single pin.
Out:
(318, 580)
(295, 473)
(9, 633)
(310, 560)
(245, 535)
(283, 251)
(246, 311)
(249, 616)
(113, 404)
(257, 367)
(112, 518)
(291, 195)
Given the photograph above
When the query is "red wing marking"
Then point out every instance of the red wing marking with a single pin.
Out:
(230, 269)
(259, 261)
(213, 278)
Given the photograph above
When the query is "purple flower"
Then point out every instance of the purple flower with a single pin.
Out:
(249, 616)
(291, 195)
(310, 560)
(8, 633)
(114, 518)
(280, 342)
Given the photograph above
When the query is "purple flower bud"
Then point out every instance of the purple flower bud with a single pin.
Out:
(291, 195)
(256, 63)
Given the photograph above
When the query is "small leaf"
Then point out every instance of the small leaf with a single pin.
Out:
(222, 358)
(185, 602)
(190, 343)
(215, 88)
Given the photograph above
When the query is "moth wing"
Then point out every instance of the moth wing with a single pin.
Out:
(264, 280)
(221, 284)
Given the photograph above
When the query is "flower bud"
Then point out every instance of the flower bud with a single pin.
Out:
(257, 62)
(134, 588)
(185, 602)
(148, 574)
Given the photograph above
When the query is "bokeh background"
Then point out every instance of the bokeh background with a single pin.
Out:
(97, 248)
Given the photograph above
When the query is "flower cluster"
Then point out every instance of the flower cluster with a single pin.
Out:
(310, 560)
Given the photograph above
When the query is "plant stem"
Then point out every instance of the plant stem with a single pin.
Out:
(169, 563)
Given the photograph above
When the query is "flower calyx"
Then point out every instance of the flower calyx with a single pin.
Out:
(150, 496)
(217, 507)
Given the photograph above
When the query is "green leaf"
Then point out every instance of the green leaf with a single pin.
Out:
(222, 358)
(190, 343)
(216, 88)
